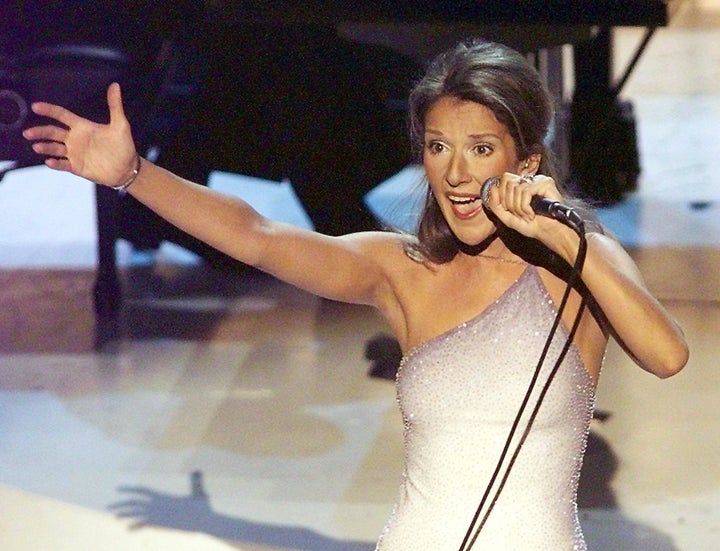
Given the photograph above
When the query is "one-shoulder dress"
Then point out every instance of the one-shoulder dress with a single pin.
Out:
(459, 394)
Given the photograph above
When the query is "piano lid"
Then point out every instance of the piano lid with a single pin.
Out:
(503, 12)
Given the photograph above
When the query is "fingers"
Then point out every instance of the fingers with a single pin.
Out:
(518, 199)
(46, 133)
(52, 111)
(514, 196)
(59, 164)
(50, 142)
(70, 119)
(98, 152)
(114, 99)
(515, 192)
(49, 148)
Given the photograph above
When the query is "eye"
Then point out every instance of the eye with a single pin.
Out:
(483, 149)
(435, 147)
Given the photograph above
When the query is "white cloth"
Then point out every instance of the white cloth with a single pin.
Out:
(459, 394)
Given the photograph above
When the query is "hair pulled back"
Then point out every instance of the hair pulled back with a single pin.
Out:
(502, 80)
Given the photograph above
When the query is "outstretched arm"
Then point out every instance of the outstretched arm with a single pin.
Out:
(342, 268)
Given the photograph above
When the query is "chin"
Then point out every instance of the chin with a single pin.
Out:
(474, 239)
(475, 232)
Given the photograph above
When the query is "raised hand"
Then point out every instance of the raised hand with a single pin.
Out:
(509, 199)
(102, 153)
(510, 195)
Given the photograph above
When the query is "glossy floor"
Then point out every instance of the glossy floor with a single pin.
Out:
(238, 413)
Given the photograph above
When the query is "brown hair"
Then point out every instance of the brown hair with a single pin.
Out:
(502, 80)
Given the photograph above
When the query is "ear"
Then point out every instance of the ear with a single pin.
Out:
(530, 165)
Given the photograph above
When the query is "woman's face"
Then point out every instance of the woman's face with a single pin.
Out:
(464, 146)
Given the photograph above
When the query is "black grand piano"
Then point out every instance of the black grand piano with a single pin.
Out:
(304, 91)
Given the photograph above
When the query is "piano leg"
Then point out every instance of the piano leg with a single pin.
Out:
(107, 290)
(604, 160)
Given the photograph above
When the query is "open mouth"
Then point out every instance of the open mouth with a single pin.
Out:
(465, 206)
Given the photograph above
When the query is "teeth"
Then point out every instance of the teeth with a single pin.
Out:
(463, 200)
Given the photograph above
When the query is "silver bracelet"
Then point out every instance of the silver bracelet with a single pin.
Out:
(127, 183)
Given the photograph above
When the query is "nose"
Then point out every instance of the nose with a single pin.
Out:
(457, 173)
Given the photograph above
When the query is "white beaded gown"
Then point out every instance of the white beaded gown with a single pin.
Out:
(459, 394)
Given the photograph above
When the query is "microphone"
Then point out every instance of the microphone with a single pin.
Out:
(541, 206)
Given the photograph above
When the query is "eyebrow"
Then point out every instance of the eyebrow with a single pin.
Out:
(481, 136)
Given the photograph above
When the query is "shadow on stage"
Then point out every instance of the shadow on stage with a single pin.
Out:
(193, 513)
(606, 527)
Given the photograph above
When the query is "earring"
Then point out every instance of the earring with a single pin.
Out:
(527, 163)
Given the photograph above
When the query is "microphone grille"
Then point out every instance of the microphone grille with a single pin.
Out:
(486, 187)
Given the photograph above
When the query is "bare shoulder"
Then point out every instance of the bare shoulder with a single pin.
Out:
(403, 271)
(611, 249)
(381, 239)
(383, 246)
(393, 253)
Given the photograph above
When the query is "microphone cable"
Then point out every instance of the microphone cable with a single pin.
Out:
(473, 531)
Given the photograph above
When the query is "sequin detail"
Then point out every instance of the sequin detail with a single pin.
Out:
(458, 395)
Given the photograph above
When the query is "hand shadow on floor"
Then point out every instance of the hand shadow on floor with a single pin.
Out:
(193, 513)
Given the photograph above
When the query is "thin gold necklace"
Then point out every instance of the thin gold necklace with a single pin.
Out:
(501, 259)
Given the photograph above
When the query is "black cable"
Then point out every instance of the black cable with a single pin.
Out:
(577, 269)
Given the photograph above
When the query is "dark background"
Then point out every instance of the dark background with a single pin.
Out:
(207, 90)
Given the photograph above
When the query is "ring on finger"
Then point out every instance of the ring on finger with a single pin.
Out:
(527, 178)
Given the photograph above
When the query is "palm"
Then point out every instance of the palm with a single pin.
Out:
(102, 153)
(98, 152)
